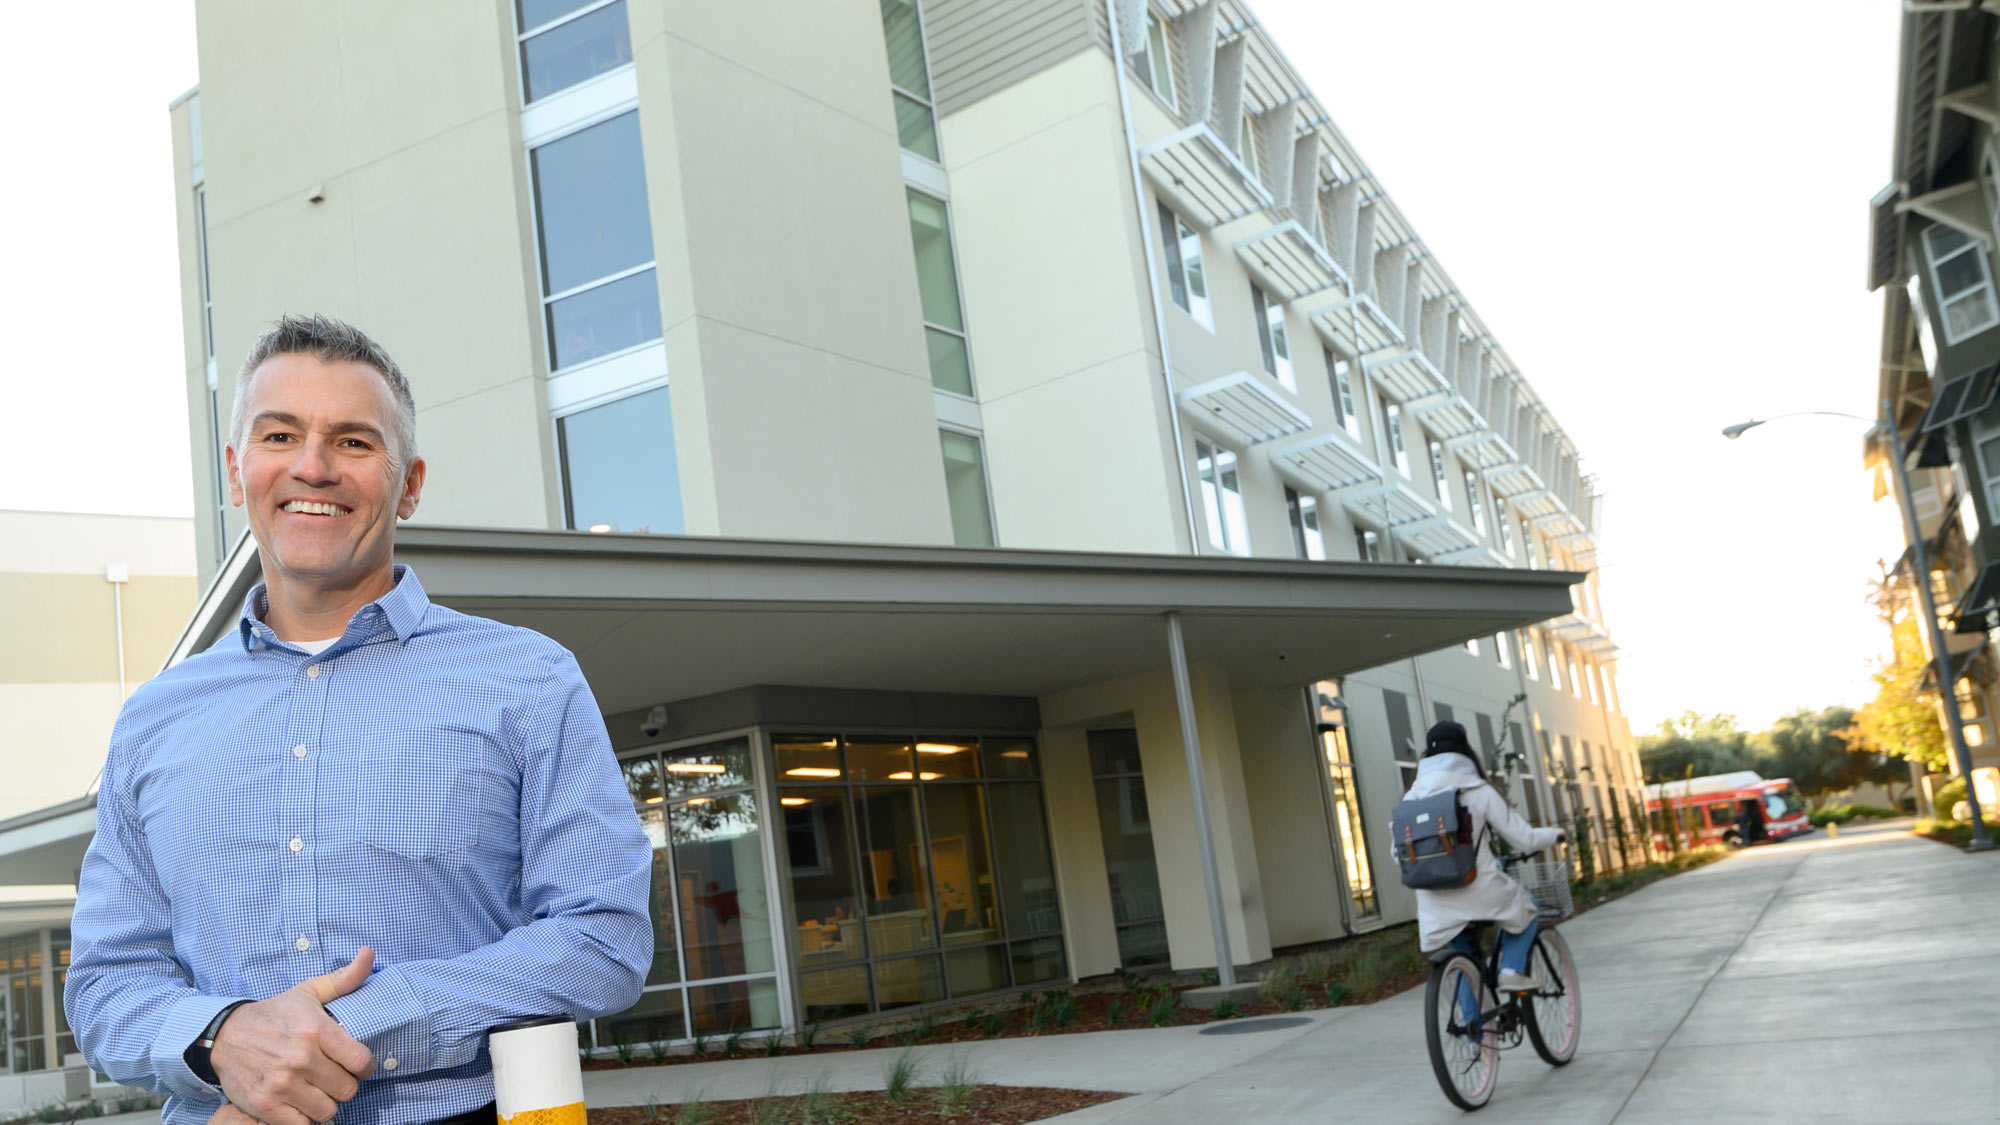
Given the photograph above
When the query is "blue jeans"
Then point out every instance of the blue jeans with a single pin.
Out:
(1514, 950)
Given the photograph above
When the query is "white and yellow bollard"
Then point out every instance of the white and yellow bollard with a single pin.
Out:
(537, 1077)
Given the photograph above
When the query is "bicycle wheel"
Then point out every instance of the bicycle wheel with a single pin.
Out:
(1555, 1013)
(1466, 1066)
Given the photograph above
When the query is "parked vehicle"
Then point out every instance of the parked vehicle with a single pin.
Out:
(1735, 809)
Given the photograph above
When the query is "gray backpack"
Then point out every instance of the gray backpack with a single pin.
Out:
(1433, 842)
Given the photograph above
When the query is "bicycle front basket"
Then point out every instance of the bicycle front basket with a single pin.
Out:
(1548, 881)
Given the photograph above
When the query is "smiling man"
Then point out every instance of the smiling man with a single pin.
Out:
(361, 829)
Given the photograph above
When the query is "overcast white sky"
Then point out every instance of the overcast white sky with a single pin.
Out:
(1660, 211)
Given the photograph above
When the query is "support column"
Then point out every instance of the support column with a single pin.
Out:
(1225, 968)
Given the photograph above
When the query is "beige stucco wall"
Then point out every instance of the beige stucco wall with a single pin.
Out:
(59, 673)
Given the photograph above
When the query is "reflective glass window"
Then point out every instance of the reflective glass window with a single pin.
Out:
(572, 52)
(719, 871)
(895, 883)
(909, 980)
(819, 847)
(605, 319)
(962, 864)
(619, 468)
(590, 201)
(1027, 875)
(965, 489)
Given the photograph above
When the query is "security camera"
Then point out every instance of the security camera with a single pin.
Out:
(656, 721)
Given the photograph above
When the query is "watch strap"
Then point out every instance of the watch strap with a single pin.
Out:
(196, 1056)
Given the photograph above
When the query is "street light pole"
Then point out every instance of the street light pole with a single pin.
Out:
(1921, 579)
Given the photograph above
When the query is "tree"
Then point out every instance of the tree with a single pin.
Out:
(1712, 744)
(1902, 720)
(1810, 748)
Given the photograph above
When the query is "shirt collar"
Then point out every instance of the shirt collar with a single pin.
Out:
(402, 609)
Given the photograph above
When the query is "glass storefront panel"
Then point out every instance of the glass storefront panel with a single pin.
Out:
(666, 967)
(1027, 875)
(895, 883)
(978, 969)
(911, 980)
(941, 758)
(807, 758)
(819, 846)
(656, 1018)
(876, 759)
(1142, 943)
(1329, 718)
(831, 994)
(1038, 961)
(1008, 757)
(962, 865)
(706, 769)
(642, 780)
(719, 875)
(740, 1005)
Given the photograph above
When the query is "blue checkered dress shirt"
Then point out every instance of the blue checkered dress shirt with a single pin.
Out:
(434, 785)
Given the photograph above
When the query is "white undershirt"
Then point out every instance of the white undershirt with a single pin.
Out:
(313, 648)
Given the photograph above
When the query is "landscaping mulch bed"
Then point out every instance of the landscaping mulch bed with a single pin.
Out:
(998, 1105)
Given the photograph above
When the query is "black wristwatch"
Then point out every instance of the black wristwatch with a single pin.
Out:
(196, 1056)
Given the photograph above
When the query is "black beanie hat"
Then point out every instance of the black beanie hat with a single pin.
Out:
(1447, 738)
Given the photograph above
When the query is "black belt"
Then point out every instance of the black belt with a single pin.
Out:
(487, 1114)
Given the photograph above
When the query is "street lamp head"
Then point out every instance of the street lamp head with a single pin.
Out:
(1736, 431)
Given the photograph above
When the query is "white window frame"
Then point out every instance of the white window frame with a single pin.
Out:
(1500, 531)
(985, 478)
(1932, 262)
(1530, 663)
(1215, 504)
(523, 34)
(1501, 654)
(1340, 373)
(1437, 472)
(1392, 420)
(1472, 491)
(1274, 343)
(1156, 45)
(1308, 537)
(556, 417)
(1178, 239)
(1246, 139)
(958, 286)
(1472, 646)
(926, 100)
(1367, 544)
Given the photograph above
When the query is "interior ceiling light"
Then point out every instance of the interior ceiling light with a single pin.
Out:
(904, 775)
(813, 771)
(795, 800)
(941, 748)
(696, 767)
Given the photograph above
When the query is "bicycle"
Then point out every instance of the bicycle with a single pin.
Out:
(1465, 1046)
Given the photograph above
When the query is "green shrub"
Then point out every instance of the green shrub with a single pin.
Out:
(1115, 1011)
(1316, 967)
(821, 1106)
(900, 1076)
(1336, 994)
(1225, 1008)
(1295, 999)
(1280, 981)
(810, 1035)
(732, 1043)
(1161, 1011)
(1946, 796)
(1055, 1009)
(956, 1087)
(625, 1050)
(858, 1035)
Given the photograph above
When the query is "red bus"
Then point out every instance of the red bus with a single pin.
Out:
(1735, 809)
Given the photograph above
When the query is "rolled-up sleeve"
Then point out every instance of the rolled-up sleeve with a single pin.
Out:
(586, 868)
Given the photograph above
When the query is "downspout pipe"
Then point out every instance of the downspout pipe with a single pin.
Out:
(1152, 276)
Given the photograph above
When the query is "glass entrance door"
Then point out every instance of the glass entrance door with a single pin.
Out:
(1359, 903)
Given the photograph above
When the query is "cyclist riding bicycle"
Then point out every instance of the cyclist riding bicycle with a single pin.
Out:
(1449, 763)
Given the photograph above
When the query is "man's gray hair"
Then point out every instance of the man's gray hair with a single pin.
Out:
(329, 341)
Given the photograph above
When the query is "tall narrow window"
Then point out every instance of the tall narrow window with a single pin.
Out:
(619, 471)
(216, 437)
(1153, 61)
(1344, 794)
(1222, 498)
(1343, 393)
(1590, 682)
(909, 77)
(1528, 544)
(1246, 142)
(565, 42)
(1437, 473)
(1392, 421)
(1962, 283)
(1125, 822)
(1500, 651)
(1367, 545)
(1271, 336)
(965, 488)
(1575, 681)
(1555, 663)
(1185, 280)
(1989, 182)
(1472, 500)
(1402, 737)
(937, 287)
(599, 291)
(1528, 661)
(1307, 542)
(1500, 525)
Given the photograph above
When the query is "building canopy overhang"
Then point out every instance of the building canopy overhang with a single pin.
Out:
(655, 619)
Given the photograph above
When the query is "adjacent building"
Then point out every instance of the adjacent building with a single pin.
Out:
(1931, 254)
(933, 426)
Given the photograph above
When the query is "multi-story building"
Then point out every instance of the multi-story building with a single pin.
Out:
(90, 606)
(1931, 253)
(985, 410)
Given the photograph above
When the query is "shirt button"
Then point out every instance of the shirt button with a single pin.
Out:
(304, 943)
(389, 1063)
(299, 751)
(312, 671)
(298, 844)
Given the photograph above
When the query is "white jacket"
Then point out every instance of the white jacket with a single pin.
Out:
(1492, 895)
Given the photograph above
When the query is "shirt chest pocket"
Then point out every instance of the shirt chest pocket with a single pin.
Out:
(426, 802)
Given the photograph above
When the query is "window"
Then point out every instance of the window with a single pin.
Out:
(1437, 473)
(1611, 690)
(937, 287)
(1367, 545)
(965, 488)
(1528, 656)
(1500, 525)
(1184, 274)
(1402, 738)
(1500, 653)
(1472, 646)
(1154, 61)
(1126, 824)
(909, 77)
(1344, 793)
(1222, 498)
(1392, 423)
(1989, 182)
(1962, 282)
(1988, 449)
(619, 472)
(598, 288)
(1341, 376)
(1575, 681)
(1271, 337)
(565, 42)
(1528, 543)
(1555, 664)
(217, 439)
(1306, 539)
(1590, 682)
(1246, 142)
(1472, 493)
(201, 250)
